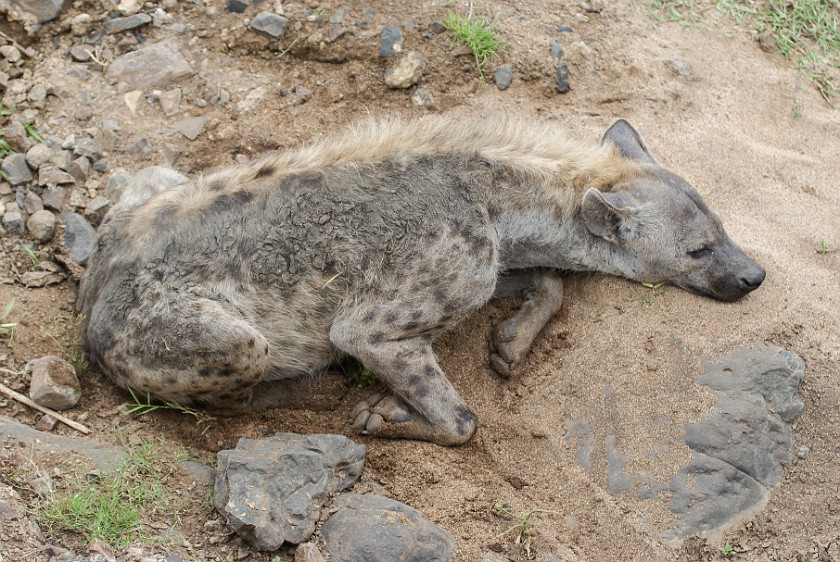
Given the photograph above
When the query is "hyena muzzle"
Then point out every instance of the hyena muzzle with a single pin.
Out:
(372, 245)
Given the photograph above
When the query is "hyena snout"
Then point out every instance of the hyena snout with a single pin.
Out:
(731, 275)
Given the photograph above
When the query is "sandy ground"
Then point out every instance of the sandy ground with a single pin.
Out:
(750, 134)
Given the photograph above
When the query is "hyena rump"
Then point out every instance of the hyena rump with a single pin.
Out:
(373, 244)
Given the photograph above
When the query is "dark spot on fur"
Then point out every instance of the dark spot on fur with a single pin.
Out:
(391, 317)
(416, 315)
(376, 337)
(252, 343)
(205, 372)
(216, 185)
(226, 371)
(242, 385)
(449, 308)
(464, 420)
(243, 197)
(440, 296)
(429, 371)
(221, 204)
(225, 396)
(410, 326)
(265, 171)
(421, 390)
(171, 381)
(399, 364)
(368, 317)
(157, 274)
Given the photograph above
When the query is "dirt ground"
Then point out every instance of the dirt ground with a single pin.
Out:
(739, 123)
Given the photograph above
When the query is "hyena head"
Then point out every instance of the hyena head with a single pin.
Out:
(662, 230)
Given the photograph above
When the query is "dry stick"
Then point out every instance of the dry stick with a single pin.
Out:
(24, 400)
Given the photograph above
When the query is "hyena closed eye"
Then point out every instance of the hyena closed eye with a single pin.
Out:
(372, 245)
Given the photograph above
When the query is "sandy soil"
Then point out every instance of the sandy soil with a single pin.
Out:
(744, 127)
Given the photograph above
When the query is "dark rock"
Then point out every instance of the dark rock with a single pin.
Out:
(38, 155)
(79, 169)
(271, 490)
(101, 166)
(154, 66)
(421, 97)
(16, 169)
(308, 552)
(106, 458)
(96, 208)
(54, 382)
(561, 79)
(53, 198)
(87, 147)
(202, 475)
(141, 149)
(62, 159)
(407, 72)
(377, 529)
(190, 127)
(13, 222)
(41, 225)
(42, 10)
(237, 6)
(16, 135)
(580, 431)
(391, 42)
(565, 29)
(79, 236)
(270, 25)
(80, 53)
(503, 76)
(117, 25)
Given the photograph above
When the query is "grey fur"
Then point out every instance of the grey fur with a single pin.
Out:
(200, 292)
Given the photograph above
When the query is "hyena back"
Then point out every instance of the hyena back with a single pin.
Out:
(372, 245)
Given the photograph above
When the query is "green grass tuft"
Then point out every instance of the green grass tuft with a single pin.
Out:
(477, 35)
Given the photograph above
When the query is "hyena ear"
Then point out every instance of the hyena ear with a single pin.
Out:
(609, 215)
(629, 142)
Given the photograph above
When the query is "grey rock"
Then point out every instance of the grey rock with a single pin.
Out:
(237, 6)
(10, 53)
(81, 24)
(503, 76)
(407, 72)
(48, 273)
(38, 155)
(155, 66)
(116, 185)
(16, 135)
(377, 529)
(141, 149)
(101, 166)
(202, 475)
(117, 25)
(78, 197)
(741, 447)
(190, 127)
(391, 42)
(271, 490)
(87, 147)
(106, 458)
(16, 169)
(62, 159)
(161, 18)
(79, 236)
(681, 68)
(32, 203)
(42, 10)
(79, 169)
(80, 53)
(308, 552)
(170, 102)
(96, 208)
(13, 222)
(270, 25)
(54, 382)
(41, 225)
(561, 79)
(421, 97)
(556, 51)
(53, 198)
(617, 480)
(52, 175)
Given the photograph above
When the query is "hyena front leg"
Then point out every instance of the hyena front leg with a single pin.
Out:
(423, 404)
(512, 338)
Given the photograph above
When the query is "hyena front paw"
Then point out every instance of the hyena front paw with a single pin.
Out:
(509, 346)
(369, 415)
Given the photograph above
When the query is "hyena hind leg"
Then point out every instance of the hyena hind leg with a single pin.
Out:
(512, 338)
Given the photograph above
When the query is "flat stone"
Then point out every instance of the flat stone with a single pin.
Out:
(391, 42)
(271, 490)
(42, 10)
(253, 99)
(237, 6)
(79, 236)
(106, 458)
(53, 198)
(170, 102)
(556, 50)
(41, 225)
(308, 552)
(81, 24)
(54, 383)
(88, 147)
(421, 97)
(190, 127)
(16, 135)
(16, 169)
(270, 25)
(117, 25)
(32, 203)
(96, 208)
(79, 169)
(377, 529)
(407, 72)
(503, 77)
(10, 53)
(161, 18)
(52, 175)
(155, 66)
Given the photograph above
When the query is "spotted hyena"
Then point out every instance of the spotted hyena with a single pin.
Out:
(373, 244)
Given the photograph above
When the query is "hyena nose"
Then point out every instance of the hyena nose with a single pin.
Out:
(752, 280)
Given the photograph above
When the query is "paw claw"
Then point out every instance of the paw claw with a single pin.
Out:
(359, 422)
(370, 415)
(374, 423)
(500, 365)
